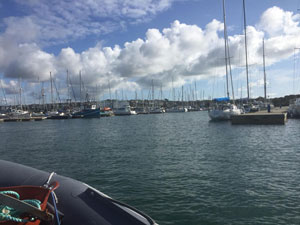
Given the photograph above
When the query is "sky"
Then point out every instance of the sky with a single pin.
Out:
(123, 48)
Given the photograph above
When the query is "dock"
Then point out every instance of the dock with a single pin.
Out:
(23, 119)
(277, 116)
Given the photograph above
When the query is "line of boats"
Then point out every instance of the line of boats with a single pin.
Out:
(87, 111)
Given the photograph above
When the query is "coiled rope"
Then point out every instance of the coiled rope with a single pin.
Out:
(10, 214)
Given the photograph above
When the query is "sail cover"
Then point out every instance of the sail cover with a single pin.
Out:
(225, 99)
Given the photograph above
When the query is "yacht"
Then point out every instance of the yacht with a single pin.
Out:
(223, 111)
(294, 109)
(124, 111)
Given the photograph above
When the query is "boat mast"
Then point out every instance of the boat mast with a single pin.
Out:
(3, 92)
(68, 84)
(196, 97)
(73, 92)
(226, 53)
(265, 77)
(57, 93)
(246, 51)
(152, 84)
(52, 102)
(182, 97)
(80, 87)
(20, 93)
(43, 95)
(110, 98)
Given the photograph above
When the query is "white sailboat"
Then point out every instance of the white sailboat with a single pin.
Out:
(294, 109)
(223, 109)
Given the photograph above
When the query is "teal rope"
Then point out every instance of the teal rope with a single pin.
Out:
(10, 214)
(11, 193)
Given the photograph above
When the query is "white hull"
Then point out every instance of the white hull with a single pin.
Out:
(124, 112)
(224, 114)
(175, 110)
(294, 109)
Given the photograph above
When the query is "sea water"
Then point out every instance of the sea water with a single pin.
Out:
(179, 168)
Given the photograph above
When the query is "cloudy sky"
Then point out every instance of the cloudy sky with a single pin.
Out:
(128, 45)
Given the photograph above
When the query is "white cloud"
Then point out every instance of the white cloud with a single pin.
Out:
(275, 22)
(181, 52)
(60, 20)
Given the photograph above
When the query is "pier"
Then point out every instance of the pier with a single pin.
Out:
(22, 119)
(277, 116)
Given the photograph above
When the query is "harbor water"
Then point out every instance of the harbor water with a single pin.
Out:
(179, 168)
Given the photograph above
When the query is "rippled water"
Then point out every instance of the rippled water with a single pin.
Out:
(178, 168)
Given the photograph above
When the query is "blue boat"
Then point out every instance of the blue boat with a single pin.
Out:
(88, 112)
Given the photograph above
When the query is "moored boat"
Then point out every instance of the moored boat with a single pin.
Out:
(124, 111)
(106, 112)
(91, 111)
(294, 109)
(223, 111)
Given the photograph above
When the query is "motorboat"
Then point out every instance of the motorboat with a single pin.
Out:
(124, 111)
(106, 112)
(177, 110)
(88, 111)
(18, 114)
(156, 110)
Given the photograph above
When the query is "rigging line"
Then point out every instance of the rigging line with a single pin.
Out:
(226, 48)
(297, 72)
(246, 51)
(57, 93)
(294, 74)
(72, 88)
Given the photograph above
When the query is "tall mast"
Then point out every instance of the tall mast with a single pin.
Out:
(196, 97)
(226, 53)
(109, 90)
(52, 102)
(57, 93)
(3, 92)
(182, 96)
(173, 90)
(43, 95)
(68, 83)
(20, 92)
(73, 92)
(246, 51)
(80, 86)
(152, 91)
(229, 64)
(161, 92)
(265, 77)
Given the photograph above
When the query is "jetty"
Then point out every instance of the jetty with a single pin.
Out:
(277, 116)
(12, 119)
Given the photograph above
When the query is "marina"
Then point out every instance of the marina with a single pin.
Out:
(154, 112)
(179, 168)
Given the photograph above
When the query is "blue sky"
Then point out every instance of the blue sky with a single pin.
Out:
(125, 45)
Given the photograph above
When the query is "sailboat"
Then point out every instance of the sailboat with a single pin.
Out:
(223, 109)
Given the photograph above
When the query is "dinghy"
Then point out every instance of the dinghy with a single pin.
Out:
(63, 200)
